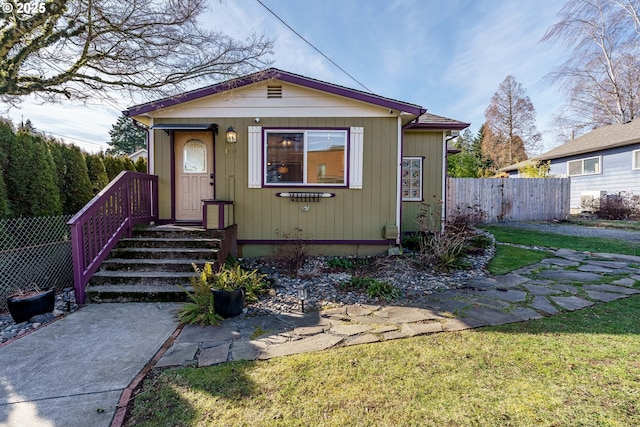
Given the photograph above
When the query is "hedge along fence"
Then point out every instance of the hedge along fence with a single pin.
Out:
(511, 199)
(36, 251)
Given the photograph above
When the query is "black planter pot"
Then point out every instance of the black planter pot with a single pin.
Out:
(228, 303)
(23, 309)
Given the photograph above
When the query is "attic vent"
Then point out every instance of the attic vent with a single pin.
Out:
(274, 91)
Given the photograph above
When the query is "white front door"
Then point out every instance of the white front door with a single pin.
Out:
(194, 168)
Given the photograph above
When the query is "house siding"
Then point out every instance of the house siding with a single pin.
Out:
(352, 215)
(427, 144)
(617, 173)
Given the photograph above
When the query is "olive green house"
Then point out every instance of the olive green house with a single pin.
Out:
(277, 157)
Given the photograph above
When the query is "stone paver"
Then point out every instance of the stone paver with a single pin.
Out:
(612, 288)
(363, 339)
(553, 286)
(178, 354)
(604, 296)
(306, 345)
(562, 262)
(570, 275)
(541, 303)
(492, 317)
(540, 290)
(571, 303)
(525, 313)
(213, 355)
(628, 282)
(349, 330)
(593, 268)
(510, 280)
(510, 295)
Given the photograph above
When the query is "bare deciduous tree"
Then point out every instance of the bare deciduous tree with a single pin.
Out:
(89, 48)
(510, 127)
(601, 78)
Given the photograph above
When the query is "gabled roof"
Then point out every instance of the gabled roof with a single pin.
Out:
(432, 121)
(612, 136)
(275, 74)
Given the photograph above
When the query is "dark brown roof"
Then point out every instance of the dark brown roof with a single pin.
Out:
(433, 121)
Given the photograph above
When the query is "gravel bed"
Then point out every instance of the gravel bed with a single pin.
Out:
(9, 329)
(415, 281)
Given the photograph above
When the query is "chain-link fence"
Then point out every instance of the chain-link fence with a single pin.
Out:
(34, 251)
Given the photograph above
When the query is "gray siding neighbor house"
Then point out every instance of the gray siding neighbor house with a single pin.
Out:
(603, 161)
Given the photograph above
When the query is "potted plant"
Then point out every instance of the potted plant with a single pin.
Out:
(222, 294)
(23, 304)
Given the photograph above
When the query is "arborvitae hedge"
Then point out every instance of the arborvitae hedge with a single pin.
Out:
(44, 177)
(30, 178)
(97, 173)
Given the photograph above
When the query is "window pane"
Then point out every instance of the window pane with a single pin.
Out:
(592, 165)
(412, 179)
(636, 159)
(575, 167)
(195, 157)
(285, 151)
(325, 157)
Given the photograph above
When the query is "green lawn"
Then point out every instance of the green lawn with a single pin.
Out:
(580, 368)
(589, 244)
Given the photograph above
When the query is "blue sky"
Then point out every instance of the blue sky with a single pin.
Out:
(448, 56)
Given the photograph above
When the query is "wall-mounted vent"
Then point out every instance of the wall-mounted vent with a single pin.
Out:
(274, 91)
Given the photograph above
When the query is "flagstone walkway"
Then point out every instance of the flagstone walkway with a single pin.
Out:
(565, 281)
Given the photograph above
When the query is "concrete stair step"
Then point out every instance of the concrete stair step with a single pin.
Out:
(175, 231)
(169, 242)
(166, 253)
(146, 278)
(136, 293)
(151, 264)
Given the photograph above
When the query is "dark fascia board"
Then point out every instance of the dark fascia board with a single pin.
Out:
(181, 126)
(438, 126)
(285, 76)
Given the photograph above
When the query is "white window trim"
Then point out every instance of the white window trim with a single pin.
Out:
(414, 199)
(583, 160)
(255, 154)
(304, 169)
(635, 165)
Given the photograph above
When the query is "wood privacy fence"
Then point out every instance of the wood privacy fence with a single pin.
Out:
(511, 199)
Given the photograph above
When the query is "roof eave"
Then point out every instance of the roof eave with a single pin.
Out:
(284, 76)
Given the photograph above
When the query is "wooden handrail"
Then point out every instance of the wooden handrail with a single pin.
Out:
(130, 199)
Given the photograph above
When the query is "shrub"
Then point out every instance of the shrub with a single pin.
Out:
(293, 252)
(446, 246)
(618, 206)
(372, 287)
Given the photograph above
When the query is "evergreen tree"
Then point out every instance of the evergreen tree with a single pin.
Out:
(31, 178)
(141, 165)
(6, 138)
(126, 138)
(77, 189)
(97, 173)
(463, 164)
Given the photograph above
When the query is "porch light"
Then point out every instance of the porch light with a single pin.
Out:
(302, 296)
(232, 135)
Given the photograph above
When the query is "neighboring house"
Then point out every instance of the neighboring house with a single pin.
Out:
(603, 161)
(286, 158)
(137, 154)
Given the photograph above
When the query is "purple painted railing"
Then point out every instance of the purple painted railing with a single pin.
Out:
(130, 199)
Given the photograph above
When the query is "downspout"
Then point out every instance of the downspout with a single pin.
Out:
(445, 162)
(150, 163)
(401, 129)
(399, 180)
